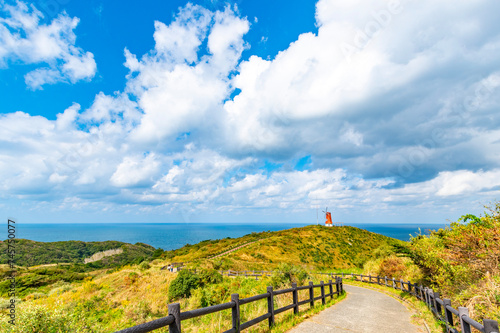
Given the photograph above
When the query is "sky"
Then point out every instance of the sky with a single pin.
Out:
(384, 111)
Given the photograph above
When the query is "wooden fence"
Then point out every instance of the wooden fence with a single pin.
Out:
(175, 316)
(441, 308)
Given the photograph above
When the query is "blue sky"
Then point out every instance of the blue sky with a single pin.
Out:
(252, 111)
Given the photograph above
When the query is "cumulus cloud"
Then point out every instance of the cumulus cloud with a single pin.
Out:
(23, 38)
(178, 89)
(408, 74)
(390, 104)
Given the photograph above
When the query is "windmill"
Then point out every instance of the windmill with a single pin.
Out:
(328, 218)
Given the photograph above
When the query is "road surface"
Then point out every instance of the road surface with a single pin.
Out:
(363, 310)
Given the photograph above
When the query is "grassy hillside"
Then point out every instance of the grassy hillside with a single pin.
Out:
(114, 299)
(62, 262)
(313, 247)
(460, 261)
(32, 253)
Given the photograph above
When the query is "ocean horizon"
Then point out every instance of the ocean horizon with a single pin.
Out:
(169, 236)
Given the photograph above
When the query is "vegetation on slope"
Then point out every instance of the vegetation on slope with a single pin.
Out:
(50, 258)
(460, 261)
(32, 253)
(105, 301)
(131, 295)
(313, 247)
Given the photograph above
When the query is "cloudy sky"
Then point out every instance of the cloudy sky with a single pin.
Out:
(249, 111)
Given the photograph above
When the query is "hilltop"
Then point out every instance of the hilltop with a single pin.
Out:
(32, 253)
(314, 247)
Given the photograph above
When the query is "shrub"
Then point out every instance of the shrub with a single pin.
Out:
(210, 276)
(38, 318)
(144, 265)
(392, 267)
(183, 284)
(286, 274)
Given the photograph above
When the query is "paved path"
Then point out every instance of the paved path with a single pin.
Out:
(363, 310)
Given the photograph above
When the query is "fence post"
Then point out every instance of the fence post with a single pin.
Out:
(295, 297)
(378, 279)
(409, 287)
(386, 281)
(337, 286)
(236, 312)
(426, 295)
(341, 282)
(394, 283)
(462, 311)
(270, 305)
(448, 315)
(431, 300)
(331, 288)
(421, 294)
(322, 292)
(402, 284)
(437, 306)
(175, 310)
(311, 294)
(490, 326)
(370, 278)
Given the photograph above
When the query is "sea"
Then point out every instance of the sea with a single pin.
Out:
(169, 236)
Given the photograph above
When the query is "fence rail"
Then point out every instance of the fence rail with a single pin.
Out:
(175, 316)
(441, 308)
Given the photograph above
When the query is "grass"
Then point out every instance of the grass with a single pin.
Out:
(131, 296)
(316, 248)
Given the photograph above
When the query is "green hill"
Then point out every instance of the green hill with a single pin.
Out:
(32, 253)
(107, 300)
(313, 247)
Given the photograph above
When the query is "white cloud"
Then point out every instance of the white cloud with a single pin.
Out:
(24, 38)
(400, 122)
(465, 182)
(178, 90)
(312, 87)
(135, 170)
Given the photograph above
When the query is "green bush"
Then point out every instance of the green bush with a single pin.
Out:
(144, 265)
(210, 276)
(183, 284)
(37, 318)
(186, 282)
(286, 274)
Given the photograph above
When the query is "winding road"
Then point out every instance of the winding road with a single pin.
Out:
(363, 310)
